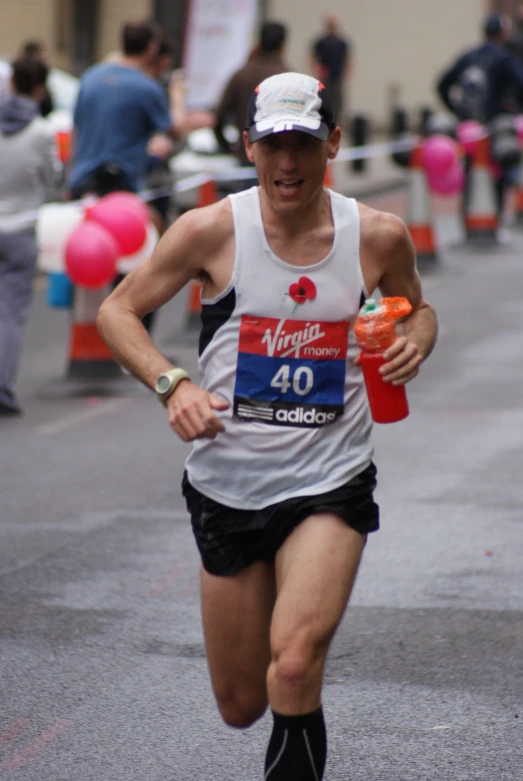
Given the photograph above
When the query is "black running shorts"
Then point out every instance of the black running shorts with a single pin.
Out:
(229, 540)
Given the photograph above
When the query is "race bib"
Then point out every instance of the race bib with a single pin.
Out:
(290, 372)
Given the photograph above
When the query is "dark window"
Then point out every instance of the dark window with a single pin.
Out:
(173, 17)
(85, 15)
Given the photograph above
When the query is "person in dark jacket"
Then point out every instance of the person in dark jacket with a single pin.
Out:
(490, 72)
(331, 63)
(266, 60)
(482, 84)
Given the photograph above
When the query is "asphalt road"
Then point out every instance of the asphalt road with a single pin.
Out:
(103, 673)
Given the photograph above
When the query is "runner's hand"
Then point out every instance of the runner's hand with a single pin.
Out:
(191, 412)
(402, 360)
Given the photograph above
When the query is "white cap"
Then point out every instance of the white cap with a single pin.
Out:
(289, 101)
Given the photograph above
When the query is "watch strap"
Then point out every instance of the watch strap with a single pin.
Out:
(174, 377)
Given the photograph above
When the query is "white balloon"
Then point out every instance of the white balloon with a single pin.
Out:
(126, 264)
(54, 225)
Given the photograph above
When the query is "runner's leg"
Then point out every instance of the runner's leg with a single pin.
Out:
(236, 613)
(315, 570)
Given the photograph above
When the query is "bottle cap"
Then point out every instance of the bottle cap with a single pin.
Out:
(369, 306)
(374, 328)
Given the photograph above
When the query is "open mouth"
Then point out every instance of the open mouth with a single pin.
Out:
(288, 187)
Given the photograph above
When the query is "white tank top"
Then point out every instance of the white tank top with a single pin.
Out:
(278, 345)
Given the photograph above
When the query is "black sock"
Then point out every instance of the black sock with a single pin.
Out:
(297, 749)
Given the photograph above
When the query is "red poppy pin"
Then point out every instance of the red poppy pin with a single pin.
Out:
(301, 291)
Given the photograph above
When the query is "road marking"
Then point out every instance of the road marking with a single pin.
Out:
(36, 746)
(14, 729)
(76, 418)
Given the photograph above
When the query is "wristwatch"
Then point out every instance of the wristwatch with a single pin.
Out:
(168, 381)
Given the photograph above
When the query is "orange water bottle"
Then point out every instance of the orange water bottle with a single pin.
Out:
(375, 331)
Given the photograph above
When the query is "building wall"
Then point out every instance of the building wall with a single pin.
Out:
(49, 21)
(399, 45)
(21, 21)
(112, 14)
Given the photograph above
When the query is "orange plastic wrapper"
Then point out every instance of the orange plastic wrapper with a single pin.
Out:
(376, 330)
(398, 306)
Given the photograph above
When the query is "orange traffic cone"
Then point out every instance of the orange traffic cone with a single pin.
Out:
(207, 194)
(63, 144)
(419, 211)
(518, 198)
(89, 356)
(328, 180)
(480, 210)
(518, 204)
(194, 306)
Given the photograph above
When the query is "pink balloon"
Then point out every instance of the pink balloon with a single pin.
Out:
(468, 135)
(124, 198)
(90, 255)
(439, 154)
(125, 223)
(451, 183)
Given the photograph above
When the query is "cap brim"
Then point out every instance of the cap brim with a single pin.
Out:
(322, 132)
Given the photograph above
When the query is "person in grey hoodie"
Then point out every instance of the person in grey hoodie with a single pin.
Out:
(28, 163)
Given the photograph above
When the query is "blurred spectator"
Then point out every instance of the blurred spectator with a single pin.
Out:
(161, 146)
(27, 162)
(481, 82)
(515, 42)
(266, 60)
(119, 107)
(35, 50)
(331, 64)
(481, 85)
(160, 149)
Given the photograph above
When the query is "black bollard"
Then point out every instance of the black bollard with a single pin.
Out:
(399, 121)
(399, 128)
(425, 114)
(359, 137)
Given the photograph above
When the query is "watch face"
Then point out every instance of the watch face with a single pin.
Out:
(163, 384)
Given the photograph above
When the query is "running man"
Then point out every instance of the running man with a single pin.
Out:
(280, 480)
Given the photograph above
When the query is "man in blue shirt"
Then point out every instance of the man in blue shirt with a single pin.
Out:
(119, 107)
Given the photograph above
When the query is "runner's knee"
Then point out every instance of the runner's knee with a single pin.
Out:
(297, 662)
(240, 710)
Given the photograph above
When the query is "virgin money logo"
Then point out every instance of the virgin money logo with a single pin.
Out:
(304, 339)
(287, 341)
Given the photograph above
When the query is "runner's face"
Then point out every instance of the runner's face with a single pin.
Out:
(291, 166)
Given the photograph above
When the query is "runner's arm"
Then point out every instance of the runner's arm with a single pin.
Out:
(178, 258)
(396, 256)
